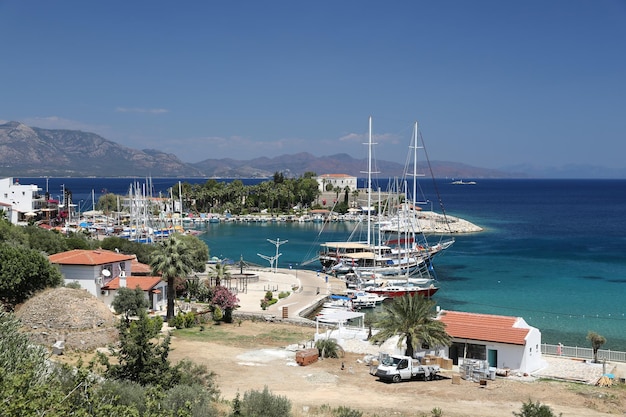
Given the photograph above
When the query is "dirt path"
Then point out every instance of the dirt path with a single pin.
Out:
(244, 368)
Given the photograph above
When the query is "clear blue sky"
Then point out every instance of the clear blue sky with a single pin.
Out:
(492, 83)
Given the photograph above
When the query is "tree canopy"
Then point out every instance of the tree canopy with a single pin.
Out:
(171, 259)
(414, 319)
(24, 272)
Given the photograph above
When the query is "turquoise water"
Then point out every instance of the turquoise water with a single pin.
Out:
(553, 251)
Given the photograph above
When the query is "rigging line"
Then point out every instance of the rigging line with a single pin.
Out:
(432, 175)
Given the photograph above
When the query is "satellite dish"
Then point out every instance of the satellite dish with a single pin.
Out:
(106, 273)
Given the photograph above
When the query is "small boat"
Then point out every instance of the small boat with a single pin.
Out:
(461, 182)
(363, 299)
(393, 291)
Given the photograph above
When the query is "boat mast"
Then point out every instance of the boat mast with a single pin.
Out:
(369, 182)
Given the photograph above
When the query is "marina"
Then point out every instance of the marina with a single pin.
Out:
(551, 250)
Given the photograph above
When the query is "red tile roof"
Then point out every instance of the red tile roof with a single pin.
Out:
(89, 257)
(137, 268)
(145, 283)
(485, 327)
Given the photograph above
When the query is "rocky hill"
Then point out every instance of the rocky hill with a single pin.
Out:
(31, 152)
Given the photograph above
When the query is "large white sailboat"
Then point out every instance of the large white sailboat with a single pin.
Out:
(380, 254)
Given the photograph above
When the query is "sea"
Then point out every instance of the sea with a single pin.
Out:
(552, 251)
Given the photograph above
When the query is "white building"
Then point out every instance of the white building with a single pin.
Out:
(336, 180)
(505, 342)
(103, 272)
(25, 201)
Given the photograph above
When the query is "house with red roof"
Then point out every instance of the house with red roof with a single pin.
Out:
(503, 341)
(103, 273)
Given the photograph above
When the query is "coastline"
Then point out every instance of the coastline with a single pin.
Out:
(306, 297)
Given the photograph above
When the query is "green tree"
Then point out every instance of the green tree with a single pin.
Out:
(45, 240)
(125, 246)
(219, 272)
(171, 260)
(197, 252)
(530, 409)
(414, 319)
(596, 343)
(130, 302)
(24, 272)
(139, 357)
(107, 203)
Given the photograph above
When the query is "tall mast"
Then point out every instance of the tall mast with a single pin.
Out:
(369, 182)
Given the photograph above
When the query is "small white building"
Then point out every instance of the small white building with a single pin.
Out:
(336, 180)
(505, 342)
(25, 201)
(103, 272)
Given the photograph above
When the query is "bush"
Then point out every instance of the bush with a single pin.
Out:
(329, 348)
(530, 409)
(191, 399)
(177, 321)
(264, 404)
(123, 392)
(74, 285)
(346, 412)
(283, 294)
(217, 314)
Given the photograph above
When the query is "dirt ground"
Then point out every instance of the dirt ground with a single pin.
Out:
(243, 368)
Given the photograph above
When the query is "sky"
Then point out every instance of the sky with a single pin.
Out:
(492, 84)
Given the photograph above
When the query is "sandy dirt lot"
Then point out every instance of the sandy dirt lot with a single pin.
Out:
(268, 363)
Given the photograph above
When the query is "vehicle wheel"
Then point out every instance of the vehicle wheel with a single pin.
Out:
(396, 378)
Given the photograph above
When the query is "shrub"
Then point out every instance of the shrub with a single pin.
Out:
(74, 285)
(127, 393)
(283, 294)
(530, 409)
(217, 314)
(329, 348)
(346, 412)
(264, 404)
(190, 399)
(177, 321)
(189, 319)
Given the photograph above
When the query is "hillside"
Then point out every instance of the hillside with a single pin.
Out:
(31, 152)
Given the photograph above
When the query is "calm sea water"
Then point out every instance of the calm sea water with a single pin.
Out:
(553, 251)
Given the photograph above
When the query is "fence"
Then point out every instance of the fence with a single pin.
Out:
(583, 353)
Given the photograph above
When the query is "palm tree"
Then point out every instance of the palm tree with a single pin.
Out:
(414, 319)
(171, 261)
(220, 272)
(596, 343)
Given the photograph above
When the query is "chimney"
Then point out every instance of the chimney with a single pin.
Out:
(122, 278)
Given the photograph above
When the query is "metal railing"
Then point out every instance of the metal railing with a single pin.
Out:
(582, 353)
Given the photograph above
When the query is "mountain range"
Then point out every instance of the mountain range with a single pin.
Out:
(31, 152)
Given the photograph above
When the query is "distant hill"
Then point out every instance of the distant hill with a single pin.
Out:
(31, 152)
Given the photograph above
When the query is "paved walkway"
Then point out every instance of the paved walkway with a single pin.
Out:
(305, 288)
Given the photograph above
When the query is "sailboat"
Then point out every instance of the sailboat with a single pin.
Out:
(371, 257)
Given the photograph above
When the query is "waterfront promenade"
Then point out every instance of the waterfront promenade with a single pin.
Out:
(306, 289)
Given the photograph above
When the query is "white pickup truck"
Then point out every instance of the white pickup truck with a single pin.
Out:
(398, 368)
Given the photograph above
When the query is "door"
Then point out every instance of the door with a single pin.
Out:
(492, 357)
